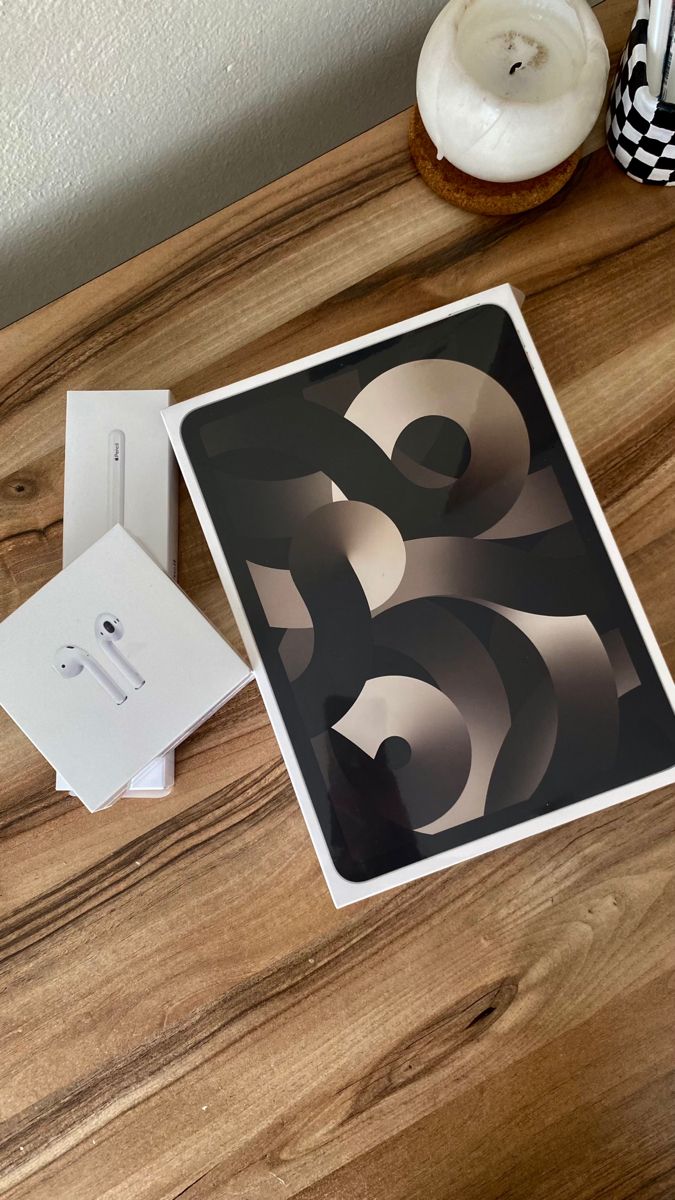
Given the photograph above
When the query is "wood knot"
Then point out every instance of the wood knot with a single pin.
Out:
(18, 488)
(432, 1046)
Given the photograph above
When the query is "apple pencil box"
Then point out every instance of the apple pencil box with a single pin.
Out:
(119, 470)
(449, 646)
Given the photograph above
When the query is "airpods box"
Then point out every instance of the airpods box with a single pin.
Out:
(110, 666)
(120, 470)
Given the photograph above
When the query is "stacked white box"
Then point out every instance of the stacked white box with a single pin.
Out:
(120, 468)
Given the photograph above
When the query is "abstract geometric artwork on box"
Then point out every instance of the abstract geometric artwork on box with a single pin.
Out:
(442, 627)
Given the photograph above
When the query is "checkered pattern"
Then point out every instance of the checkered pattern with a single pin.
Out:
(640, 128)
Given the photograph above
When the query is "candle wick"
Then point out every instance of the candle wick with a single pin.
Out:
(515, 67)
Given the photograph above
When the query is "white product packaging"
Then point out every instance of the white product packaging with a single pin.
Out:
(109, 666)
(120, 469)
(650, 768)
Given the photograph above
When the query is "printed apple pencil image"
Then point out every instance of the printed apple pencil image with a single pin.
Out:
(116, 449)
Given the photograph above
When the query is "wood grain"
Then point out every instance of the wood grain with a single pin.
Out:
(182, 1011)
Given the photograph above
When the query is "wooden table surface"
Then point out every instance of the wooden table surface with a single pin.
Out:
(183, 1013)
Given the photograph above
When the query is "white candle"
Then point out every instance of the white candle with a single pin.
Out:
(507, 89)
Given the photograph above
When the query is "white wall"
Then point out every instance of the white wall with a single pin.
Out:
(122, 121)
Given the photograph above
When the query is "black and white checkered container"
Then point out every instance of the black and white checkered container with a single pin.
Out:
(640, 128)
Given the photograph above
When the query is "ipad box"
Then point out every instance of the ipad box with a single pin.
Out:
(109, 666)
(448, 643)
(119, 469)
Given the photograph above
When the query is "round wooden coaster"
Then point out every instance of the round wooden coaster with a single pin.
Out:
(480, 195)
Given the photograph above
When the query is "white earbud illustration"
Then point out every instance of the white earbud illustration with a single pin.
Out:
(109, 630)
(72, 660)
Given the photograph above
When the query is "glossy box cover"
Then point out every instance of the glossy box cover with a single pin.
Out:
(447, 641)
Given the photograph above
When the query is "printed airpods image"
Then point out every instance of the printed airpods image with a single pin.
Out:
(70, 661)
(109, 631)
